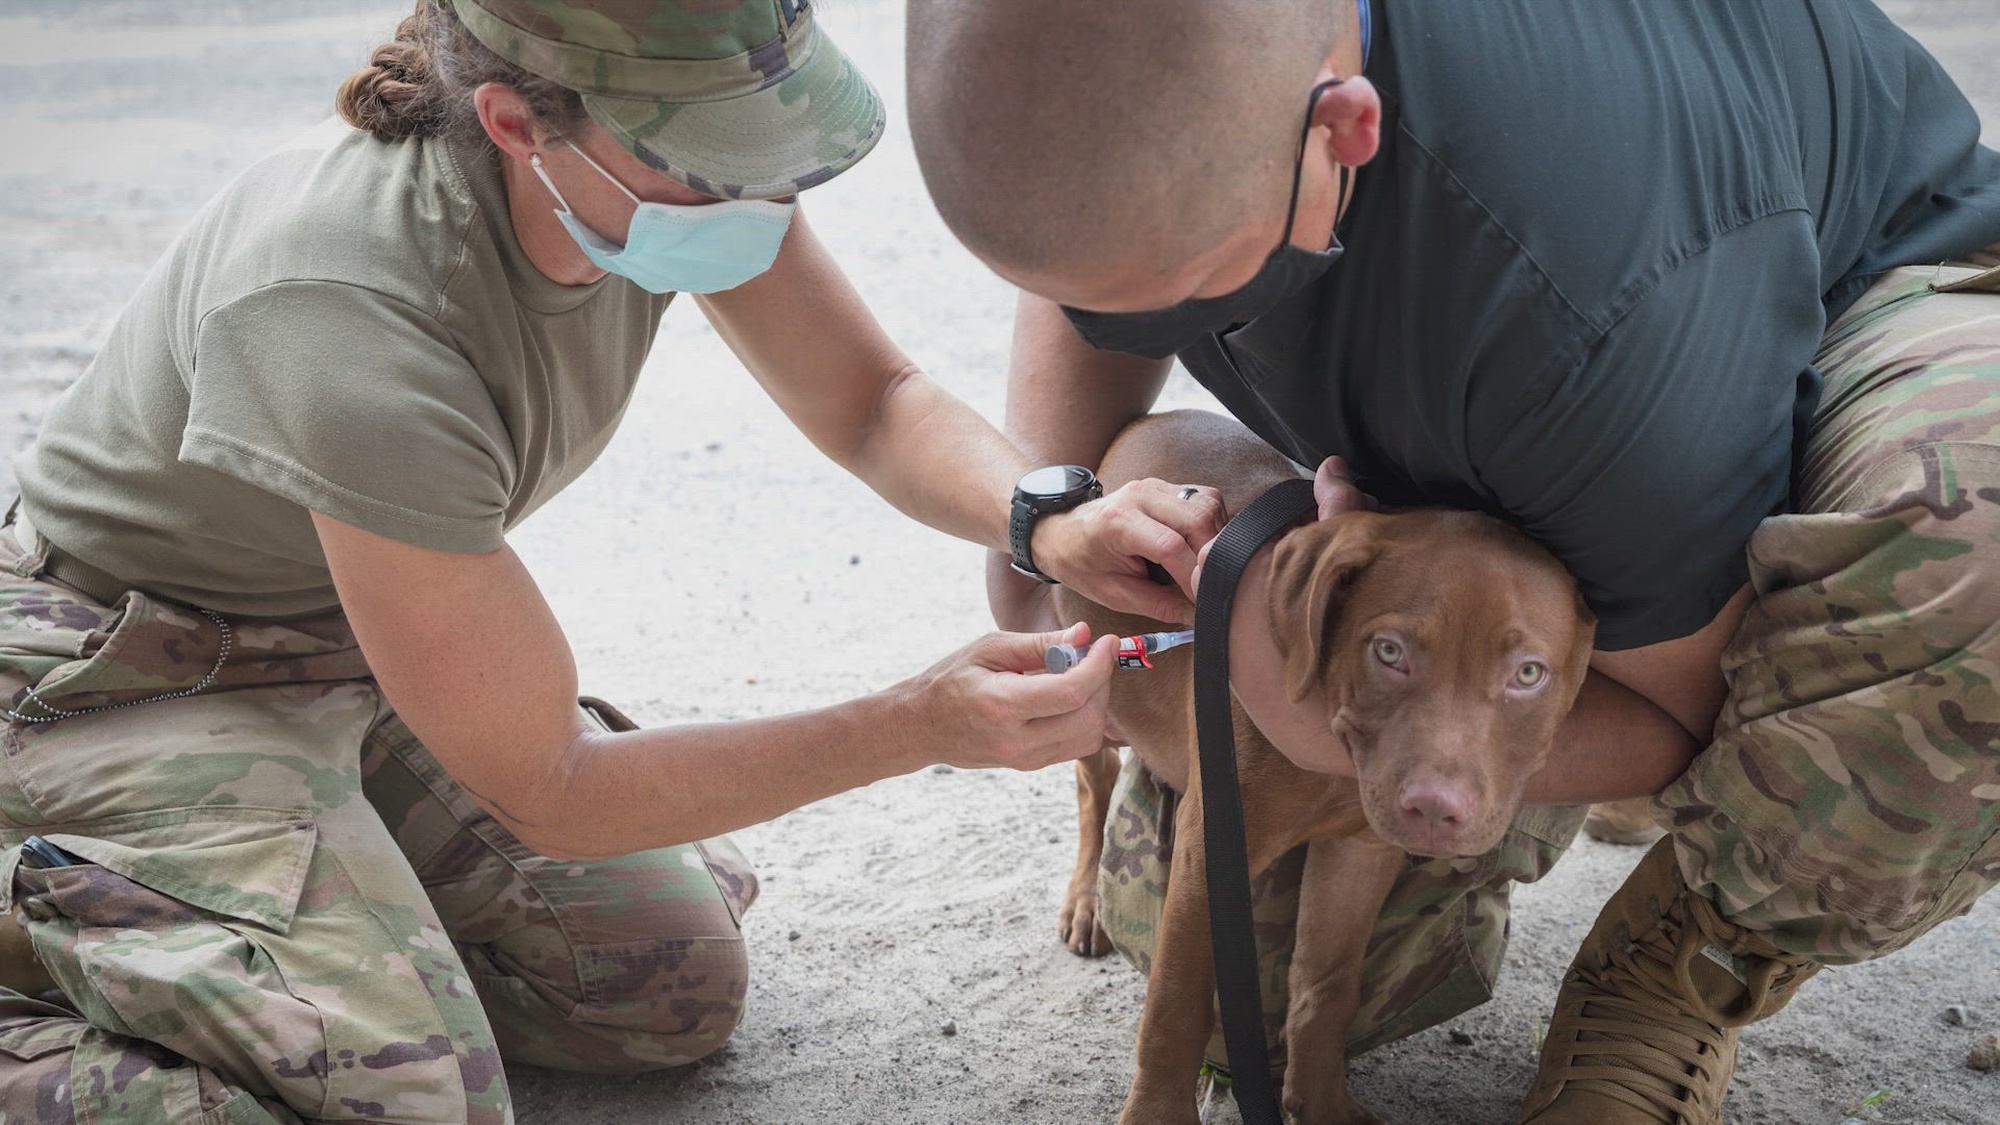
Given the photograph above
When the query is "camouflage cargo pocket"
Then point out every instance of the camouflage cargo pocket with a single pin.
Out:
(54, 1056)
(186, 928)
(47, 635)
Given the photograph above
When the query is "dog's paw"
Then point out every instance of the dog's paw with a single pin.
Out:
(1158, 1110)
(1342, 1110)
(1360, 1116)
(1079, 927)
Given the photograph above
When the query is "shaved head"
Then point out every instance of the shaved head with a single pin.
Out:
(1058, 136)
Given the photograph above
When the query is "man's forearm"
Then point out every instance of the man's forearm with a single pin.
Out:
(1066, 400)
(1615, 744)
(1642, 716)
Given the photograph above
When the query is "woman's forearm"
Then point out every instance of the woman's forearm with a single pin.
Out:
(938, 461)
(471, 657)
(596, 794)
(613, 794)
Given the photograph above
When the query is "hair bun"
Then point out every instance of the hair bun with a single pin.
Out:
(395, 96)
(421, 83)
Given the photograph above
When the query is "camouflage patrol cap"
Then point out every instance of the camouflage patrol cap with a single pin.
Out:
(739, 98)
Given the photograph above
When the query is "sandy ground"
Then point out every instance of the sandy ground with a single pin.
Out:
(712, 566)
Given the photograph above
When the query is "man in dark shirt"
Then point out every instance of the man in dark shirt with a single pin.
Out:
(1655, 282)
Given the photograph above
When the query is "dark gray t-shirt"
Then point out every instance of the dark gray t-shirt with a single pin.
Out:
(1589, 268)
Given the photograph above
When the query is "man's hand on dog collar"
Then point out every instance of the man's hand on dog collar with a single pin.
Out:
(1100, 549)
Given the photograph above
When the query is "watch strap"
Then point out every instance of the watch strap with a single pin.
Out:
(1020, 533)
(1027, 509)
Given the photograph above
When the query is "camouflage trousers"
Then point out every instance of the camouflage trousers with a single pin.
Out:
(288, 911)
(1850, 800)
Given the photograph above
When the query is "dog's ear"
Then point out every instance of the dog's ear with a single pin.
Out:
(1311, 570)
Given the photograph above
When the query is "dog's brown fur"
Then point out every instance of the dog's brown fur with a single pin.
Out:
(1442, 747)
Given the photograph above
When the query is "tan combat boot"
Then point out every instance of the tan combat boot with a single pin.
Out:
(1644, 1030)
(1623, 822)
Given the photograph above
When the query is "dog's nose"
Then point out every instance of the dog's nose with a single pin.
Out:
(1437, 808)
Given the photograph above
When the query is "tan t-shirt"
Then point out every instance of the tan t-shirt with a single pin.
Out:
(351, 328)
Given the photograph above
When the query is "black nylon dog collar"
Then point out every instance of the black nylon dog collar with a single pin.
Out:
(1228, 860)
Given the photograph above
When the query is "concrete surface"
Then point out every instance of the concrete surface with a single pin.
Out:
(712, 565)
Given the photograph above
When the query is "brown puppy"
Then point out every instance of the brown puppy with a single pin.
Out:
(1448, 647)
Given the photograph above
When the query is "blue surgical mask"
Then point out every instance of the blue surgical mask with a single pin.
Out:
(680, 249)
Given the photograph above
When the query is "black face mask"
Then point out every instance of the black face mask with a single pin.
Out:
(1159, 333)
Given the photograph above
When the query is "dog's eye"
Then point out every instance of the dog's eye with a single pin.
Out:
(1531, 673)
(1388, 651)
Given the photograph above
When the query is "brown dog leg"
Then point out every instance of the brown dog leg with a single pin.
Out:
(1340, 896)
(1095, 776)
(1180, 993)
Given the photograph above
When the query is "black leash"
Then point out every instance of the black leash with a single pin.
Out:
(1229, 925)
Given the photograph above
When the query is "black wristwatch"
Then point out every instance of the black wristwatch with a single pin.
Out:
(1053, 488)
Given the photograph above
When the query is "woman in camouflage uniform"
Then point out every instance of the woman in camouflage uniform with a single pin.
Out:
(300, 811)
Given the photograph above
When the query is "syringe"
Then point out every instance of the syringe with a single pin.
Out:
(1133, 652)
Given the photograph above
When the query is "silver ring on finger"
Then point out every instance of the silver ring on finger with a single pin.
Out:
(1189, 492)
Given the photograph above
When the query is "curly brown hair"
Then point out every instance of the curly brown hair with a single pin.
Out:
(420, 83)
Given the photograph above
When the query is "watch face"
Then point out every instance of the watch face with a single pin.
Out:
(1054, 480)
